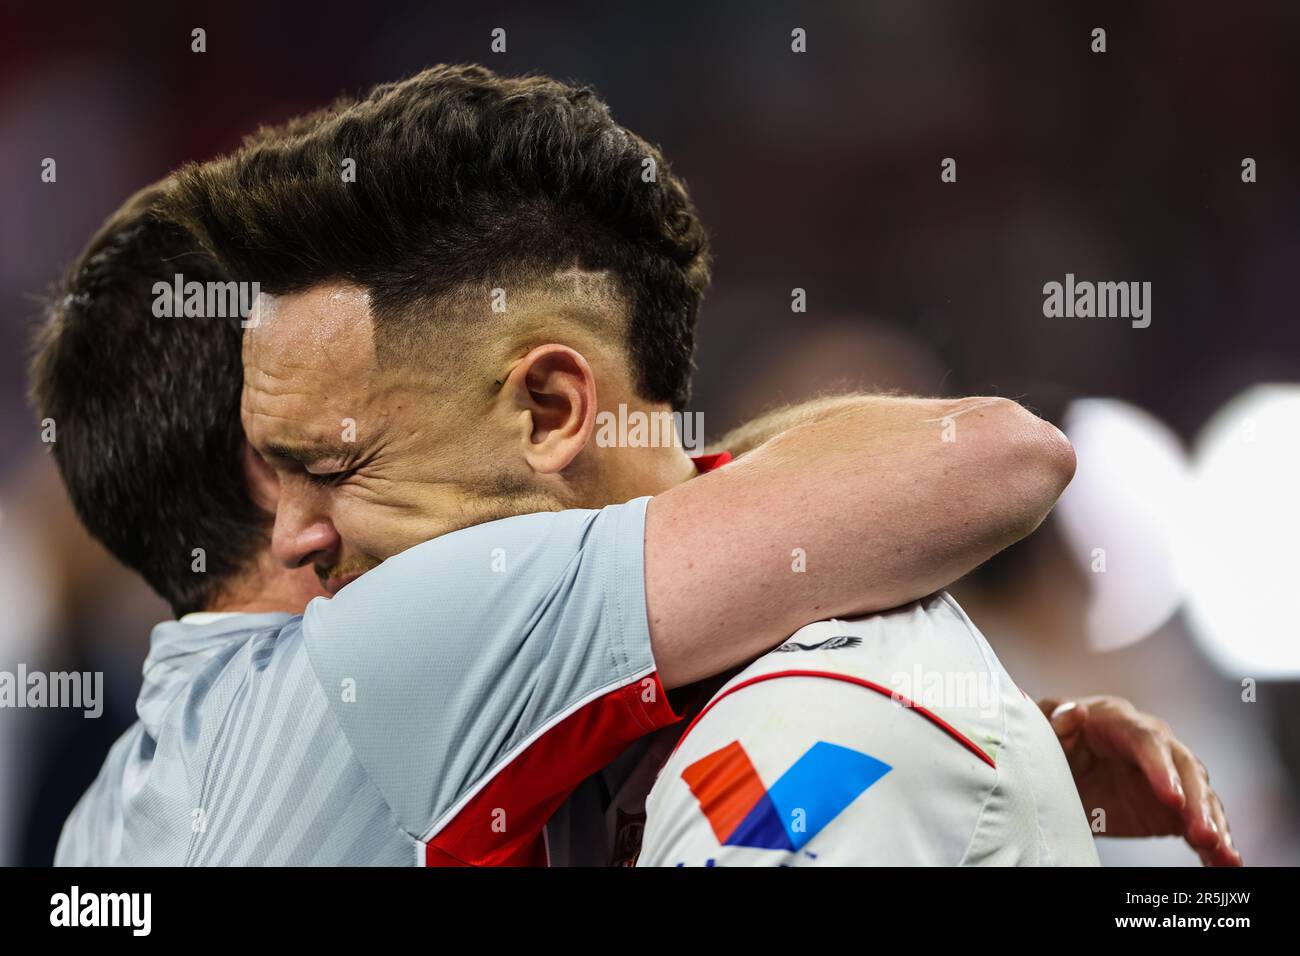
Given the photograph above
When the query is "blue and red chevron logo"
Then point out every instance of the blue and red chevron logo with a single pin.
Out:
(812, 793)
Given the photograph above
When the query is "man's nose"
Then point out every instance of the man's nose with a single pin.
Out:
(303, 535)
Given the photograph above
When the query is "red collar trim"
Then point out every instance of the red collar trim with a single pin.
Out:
(705, 463)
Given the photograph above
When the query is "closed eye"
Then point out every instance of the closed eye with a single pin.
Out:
(332, 478)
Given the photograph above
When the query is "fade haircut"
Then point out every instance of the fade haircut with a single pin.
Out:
(465, 180)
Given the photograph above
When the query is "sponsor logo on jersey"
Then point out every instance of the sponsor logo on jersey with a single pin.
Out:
(830, 644)
(785, 816)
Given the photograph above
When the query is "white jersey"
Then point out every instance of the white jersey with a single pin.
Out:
(894, 739)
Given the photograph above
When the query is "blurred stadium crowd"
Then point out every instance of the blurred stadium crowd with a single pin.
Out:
(820, 172)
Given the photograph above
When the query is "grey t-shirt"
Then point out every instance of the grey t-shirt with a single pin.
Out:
(436, 711)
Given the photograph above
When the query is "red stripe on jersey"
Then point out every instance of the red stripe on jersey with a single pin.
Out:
(929, 715)
(502, 825)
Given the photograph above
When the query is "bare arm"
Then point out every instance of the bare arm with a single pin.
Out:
(743, 439)
(889, 499)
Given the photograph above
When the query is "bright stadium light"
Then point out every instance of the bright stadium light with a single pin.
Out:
(1240, 552)
(1120, 517)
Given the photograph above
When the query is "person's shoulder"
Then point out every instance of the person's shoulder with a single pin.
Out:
(933, 631)
(467, 568)
(179, 651)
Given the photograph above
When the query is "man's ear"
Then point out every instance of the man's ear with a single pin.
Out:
(555, 386)
(263, 483)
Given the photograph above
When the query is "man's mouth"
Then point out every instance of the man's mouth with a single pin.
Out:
(334, 584)
(333, 578)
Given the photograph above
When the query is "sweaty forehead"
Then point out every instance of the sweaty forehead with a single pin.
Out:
(309, 360)
(328, 325)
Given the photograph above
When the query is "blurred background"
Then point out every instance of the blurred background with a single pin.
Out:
(1164, 576)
